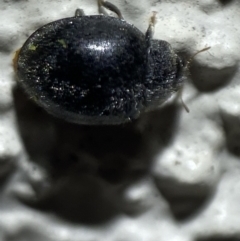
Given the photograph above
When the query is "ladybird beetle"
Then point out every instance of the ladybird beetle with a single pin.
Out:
(98, 69)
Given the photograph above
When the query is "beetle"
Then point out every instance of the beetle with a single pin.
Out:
(98, 69)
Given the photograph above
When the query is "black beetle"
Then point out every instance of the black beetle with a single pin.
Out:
(98, 69)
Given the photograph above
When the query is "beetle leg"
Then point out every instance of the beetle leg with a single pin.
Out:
(102, 10)
(15, 59)
(109, 6)
(79, 12)
(150, 30)
(180, 96)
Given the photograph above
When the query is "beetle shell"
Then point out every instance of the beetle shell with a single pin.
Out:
(94, 70)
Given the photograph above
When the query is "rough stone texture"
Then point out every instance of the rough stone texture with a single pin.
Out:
(171, 175)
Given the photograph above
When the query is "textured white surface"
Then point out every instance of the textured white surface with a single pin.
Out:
(169, 176)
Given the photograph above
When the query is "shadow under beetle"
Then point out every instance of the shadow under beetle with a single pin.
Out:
(97, 69)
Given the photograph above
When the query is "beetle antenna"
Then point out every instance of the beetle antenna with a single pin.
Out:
(194, 55)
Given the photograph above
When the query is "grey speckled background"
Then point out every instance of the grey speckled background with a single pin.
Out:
(170, 176)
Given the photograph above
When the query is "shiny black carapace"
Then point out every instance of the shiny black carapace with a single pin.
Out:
(97, 69)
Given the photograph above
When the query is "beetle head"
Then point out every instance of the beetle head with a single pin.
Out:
(165, 72)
